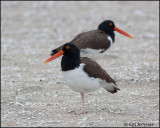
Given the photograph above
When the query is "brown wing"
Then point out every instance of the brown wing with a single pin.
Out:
(95, 39)
(93, 69)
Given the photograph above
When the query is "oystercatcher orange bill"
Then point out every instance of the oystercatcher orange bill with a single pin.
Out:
(54, 56)
(122, 32)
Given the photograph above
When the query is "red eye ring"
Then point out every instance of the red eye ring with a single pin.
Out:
(110, 24)
(67, 47)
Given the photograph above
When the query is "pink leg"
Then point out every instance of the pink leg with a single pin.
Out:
(82, 100)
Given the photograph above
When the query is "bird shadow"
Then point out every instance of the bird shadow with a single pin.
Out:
(105, 110)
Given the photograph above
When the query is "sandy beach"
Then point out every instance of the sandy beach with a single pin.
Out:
(34, 94)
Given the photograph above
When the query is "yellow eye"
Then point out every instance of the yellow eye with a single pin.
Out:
(67, 47)
(110, 24)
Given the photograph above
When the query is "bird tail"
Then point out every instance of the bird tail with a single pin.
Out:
(110, 87)
(54, 51)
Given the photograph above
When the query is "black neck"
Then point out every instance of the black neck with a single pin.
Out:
(70, 62)
(110, 33)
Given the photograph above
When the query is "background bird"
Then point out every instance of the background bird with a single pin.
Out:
(96, 40)
(83, 74)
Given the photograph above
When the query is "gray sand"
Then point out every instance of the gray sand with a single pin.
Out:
(35, 94)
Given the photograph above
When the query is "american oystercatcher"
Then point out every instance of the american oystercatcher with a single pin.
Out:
(96, 40)
(83, 74)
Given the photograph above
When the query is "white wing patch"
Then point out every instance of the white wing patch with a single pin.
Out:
(91, 51)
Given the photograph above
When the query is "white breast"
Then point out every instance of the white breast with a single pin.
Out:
(111, 41)
(79, 81)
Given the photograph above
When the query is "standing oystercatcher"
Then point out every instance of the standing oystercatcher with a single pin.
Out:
(99, 40)
(83, 74)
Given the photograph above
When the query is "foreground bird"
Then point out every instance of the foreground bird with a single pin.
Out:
(96, 40)
(83, 74)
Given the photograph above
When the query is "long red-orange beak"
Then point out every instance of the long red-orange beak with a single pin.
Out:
(54, 56)
(122, 32)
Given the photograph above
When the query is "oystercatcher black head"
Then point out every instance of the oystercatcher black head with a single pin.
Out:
(71, 51)
(83, 74)
(109, 27)
(71, 57)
